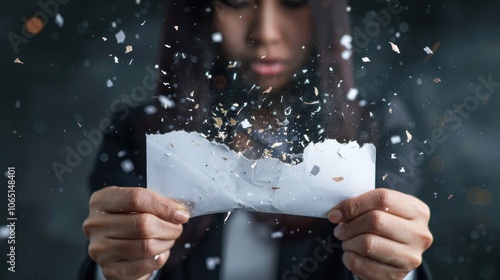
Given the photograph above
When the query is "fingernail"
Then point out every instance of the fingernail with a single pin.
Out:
(181, 216)
(335, 216)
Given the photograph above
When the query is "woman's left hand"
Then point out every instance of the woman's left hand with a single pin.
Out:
(383, 233)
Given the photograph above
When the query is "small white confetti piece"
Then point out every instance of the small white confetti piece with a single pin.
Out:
(277, 234)
(217, 37)
(212, 262)
(395, 139)
(18, 61)
(245, 124)
(120, 37)
(59, 20)
(352, 94)
(276, 145)
(394, 47)
(408, 136)
(437, 80)
(104, 39)
(428, 50)
(366, 59)
(227, 216)
(128, 49)
(176, 28)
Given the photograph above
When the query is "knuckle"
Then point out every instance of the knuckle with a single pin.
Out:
(162, 259)
(414, 262)
(136, 197)
(174, 232)
(146, 247)
(427, 240)
(142, 224)
(87, 227)
(95, 199)
(368, 244)
(376, 220)
(351, 208)
(95, 252)
(355, 262)
(384, 198)
(425, 210)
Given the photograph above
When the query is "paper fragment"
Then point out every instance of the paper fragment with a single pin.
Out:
(394, 47)
(352, 94)
(268, 90)
(59, 20)
(408, 136)
(338, 179)
(128, 49)
(217, 37)
(277, 234)
(395, 139)
(365, 59)
(120, 37)
(276, 145)
(428, 50)
(18, 61)
(437, 80)
(212, 262)
(208, 177)
(227, 216)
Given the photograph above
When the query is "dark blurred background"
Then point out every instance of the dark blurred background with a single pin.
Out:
(70, 79)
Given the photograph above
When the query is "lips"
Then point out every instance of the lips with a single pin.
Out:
(268, 67)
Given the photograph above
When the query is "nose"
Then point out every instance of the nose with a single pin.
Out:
(265, 28)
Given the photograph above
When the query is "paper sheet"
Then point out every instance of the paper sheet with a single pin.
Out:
(207, 177)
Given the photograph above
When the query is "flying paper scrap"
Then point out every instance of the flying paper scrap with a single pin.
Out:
(207, 177)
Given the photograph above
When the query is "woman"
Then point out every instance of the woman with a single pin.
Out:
(275, 64)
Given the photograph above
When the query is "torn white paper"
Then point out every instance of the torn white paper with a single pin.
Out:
(207, 177)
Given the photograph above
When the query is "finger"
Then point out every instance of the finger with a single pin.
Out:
(141, 200)
(133, 226)
(135, 269)
(384, 251)
(114, 250)
(379, 223)
(366, 268)
(394, 202)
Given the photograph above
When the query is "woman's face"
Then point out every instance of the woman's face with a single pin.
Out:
(270, 38)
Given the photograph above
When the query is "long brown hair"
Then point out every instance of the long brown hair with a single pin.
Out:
(188, 56)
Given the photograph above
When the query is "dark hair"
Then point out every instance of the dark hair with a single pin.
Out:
(187, 54)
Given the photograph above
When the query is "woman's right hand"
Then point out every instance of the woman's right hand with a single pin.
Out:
(131, 231)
